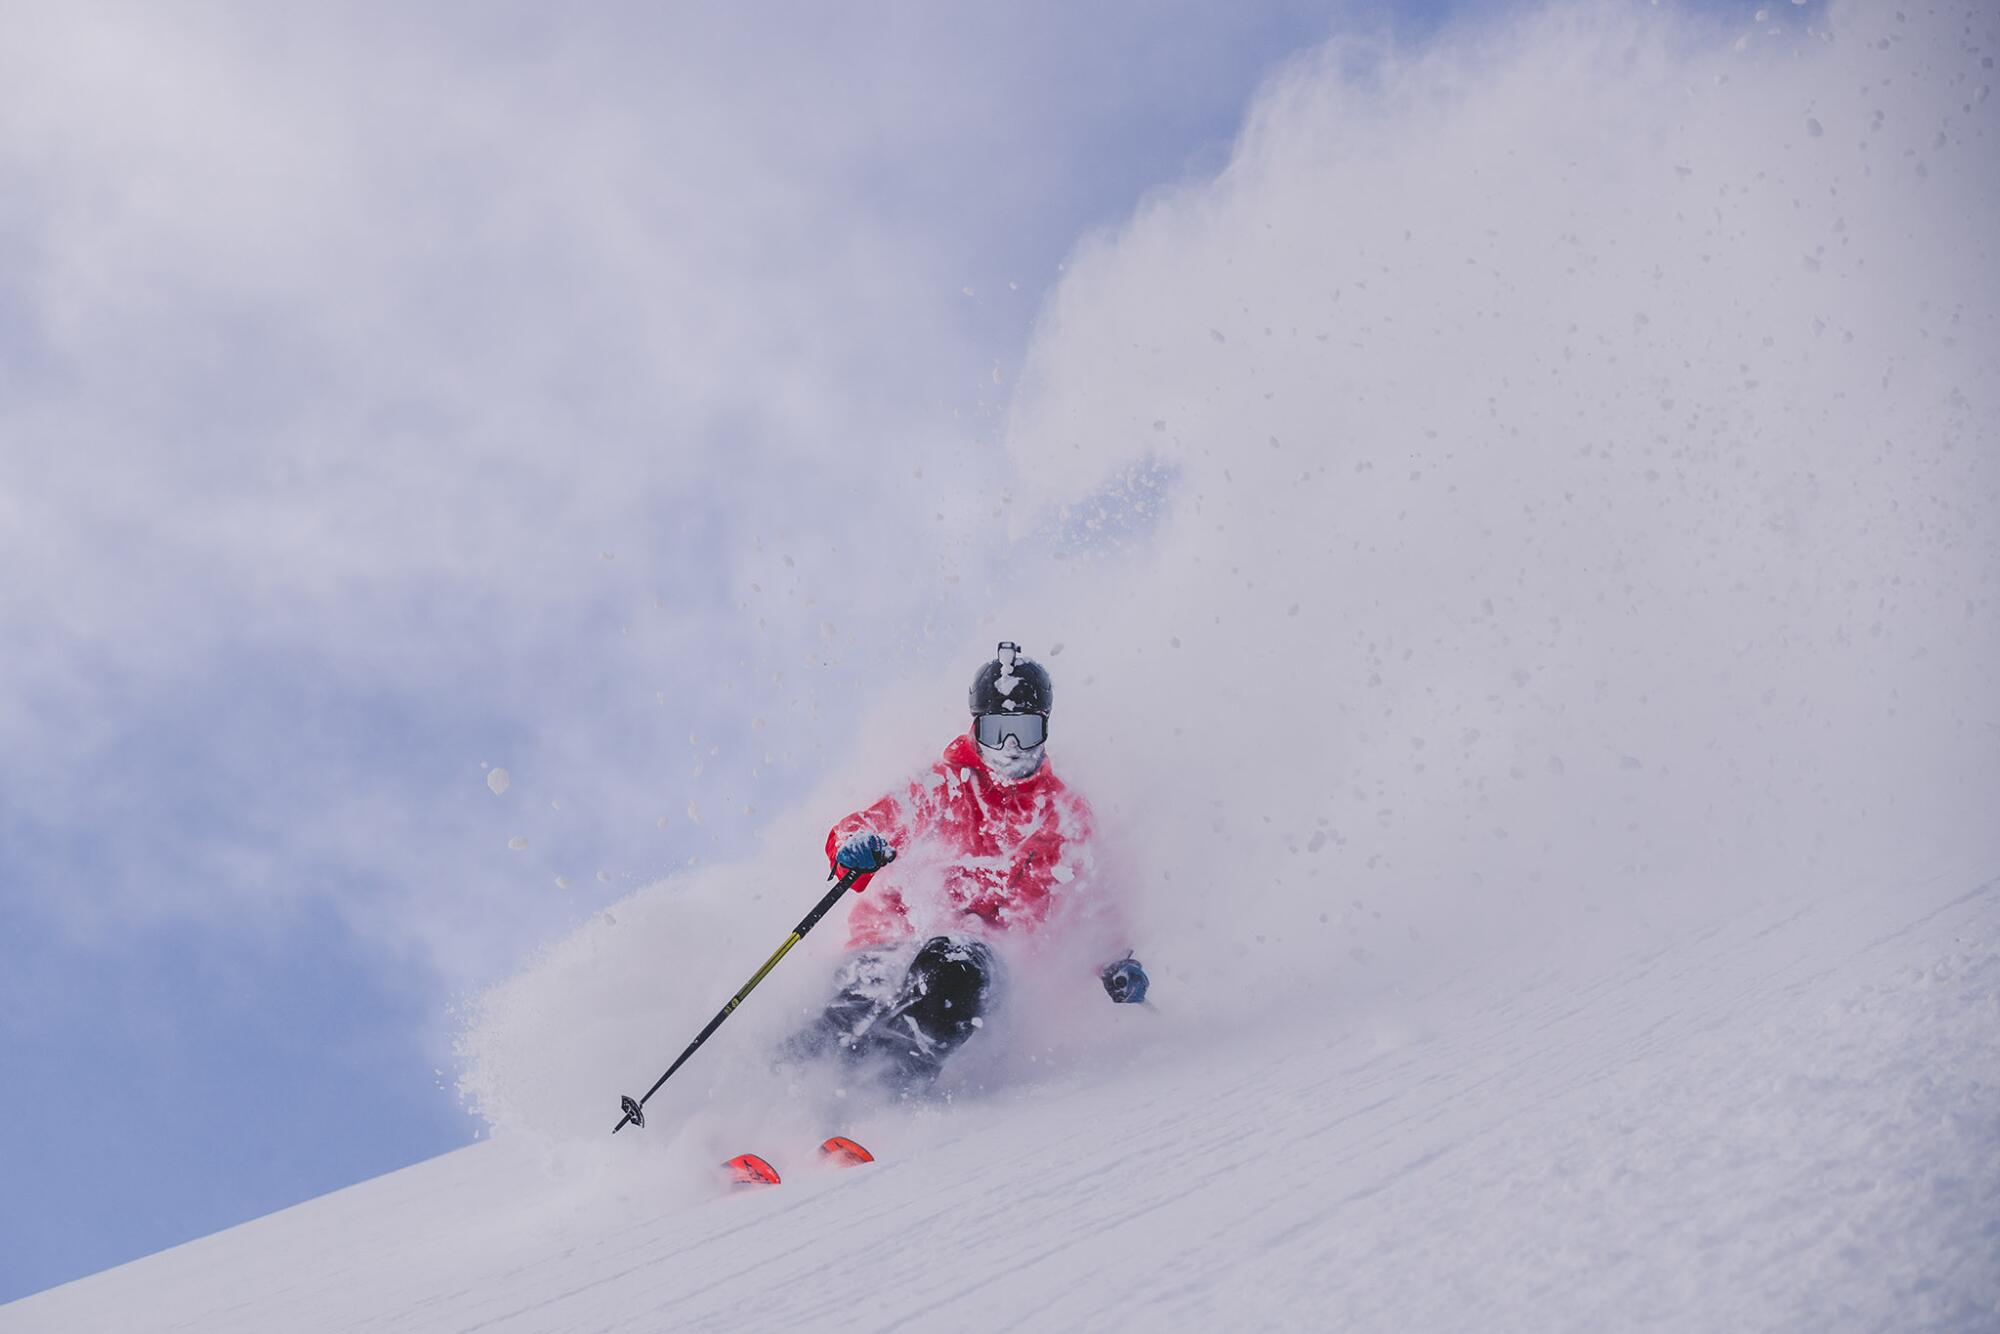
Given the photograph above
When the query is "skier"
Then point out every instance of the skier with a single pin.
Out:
(989, 846)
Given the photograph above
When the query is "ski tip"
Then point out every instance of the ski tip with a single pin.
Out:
(747, 1169)
(844, 1152)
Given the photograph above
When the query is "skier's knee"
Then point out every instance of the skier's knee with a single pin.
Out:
(954, 978)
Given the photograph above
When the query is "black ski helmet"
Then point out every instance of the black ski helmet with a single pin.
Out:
(1012, 684)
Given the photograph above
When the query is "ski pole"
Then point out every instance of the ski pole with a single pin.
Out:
(634, 1107)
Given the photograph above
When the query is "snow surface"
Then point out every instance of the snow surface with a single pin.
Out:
(1787, 1118)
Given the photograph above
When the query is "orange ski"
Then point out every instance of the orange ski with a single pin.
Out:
(747, 1169)
(844, 1152)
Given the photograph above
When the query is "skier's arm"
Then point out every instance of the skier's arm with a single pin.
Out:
(1097, 907)
(884, 821)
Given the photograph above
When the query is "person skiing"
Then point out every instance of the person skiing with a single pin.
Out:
(989, 848)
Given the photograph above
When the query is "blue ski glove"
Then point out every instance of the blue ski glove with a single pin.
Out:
(865, 852)
(1125, 981)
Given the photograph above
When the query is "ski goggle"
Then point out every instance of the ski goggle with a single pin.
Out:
(1029, 729)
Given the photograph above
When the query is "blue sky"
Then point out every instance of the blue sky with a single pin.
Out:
(609, 398)
(389, 396)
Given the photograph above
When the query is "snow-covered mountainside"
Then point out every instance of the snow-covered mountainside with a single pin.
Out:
(1785, 1118)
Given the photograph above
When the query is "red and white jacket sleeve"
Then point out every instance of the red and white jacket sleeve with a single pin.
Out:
(885, 817)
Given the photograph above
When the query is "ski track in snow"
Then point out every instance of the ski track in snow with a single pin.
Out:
(1784, 1120)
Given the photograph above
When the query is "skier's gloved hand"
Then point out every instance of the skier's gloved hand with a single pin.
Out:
(1125, 981)
(865, 852)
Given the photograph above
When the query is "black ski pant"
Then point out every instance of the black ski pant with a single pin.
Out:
(910, 1018)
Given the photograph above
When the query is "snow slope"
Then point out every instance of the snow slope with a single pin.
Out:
(1787, 1118)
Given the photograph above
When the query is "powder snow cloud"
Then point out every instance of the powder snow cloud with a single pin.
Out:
(1544, 484)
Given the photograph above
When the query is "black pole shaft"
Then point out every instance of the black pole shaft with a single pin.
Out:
(825, 905)
(806, 923)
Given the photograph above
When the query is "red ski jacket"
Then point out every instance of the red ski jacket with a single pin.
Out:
(974, 853)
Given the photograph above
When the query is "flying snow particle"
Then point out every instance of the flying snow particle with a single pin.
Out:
(517, 844)
(498, 781)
